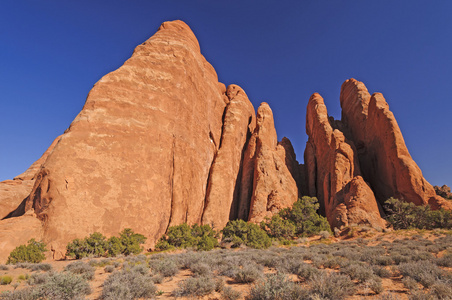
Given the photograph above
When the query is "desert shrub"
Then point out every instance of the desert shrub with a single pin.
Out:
(201, 268)
(4, 267)
(423, 272)
(97, 245)
(248, 273)
(404, 215)
(82, 269)
(131, 241)
(65, 286)
(304, 216)
(93, 245)
(142, 269)
(305, 271)
(33, 252)
(441, 290)
(183, 236)
(410, 283)
(195, 286)
(157, 278)
(229, 293)
(36, 279)
(279, 228)
(358, 271)
(114, 246)
(276, 286)
(374, 283)
(165, 267)
(445, 260)
(53, 287)
(331, 285)
(240, 232)
(40, 267)
(128, 285)
(381, 272)
(109, 269)
(4, 280)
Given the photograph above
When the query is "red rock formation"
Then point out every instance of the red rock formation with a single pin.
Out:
(443, 191)
(12, 193)
(385, 161)
(18, 231)
(333, 172)
(274, 187)
(223, 188)
(139, 153)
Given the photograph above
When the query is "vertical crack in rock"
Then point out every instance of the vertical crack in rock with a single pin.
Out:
(171, 180)
(224, 176)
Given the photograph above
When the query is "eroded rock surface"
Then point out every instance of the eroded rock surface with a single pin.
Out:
(139, 153)
(333, 172)
(385, 161)
(224, 182)
(274, 187)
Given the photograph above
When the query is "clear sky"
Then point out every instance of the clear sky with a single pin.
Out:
(52, 52)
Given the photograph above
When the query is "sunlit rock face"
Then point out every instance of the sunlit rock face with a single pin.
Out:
(333, 171)
(159, 142)
(355, 164)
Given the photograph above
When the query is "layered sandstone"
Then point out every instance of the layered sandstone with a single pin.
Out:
(333, 172)
(385, 161)
(274, 187)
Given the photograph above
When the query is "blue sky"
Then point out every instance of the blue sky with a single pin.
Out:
(52, 52)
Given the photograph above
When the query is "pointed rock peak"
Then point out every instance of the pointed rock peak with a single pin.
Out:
(175, 30)
(265, 126)
(316, 114)
(354, 92)
(233, 90)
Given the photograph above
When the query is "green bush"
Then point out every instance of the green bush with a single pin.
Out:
(183, 236)
(94, 245)
(279, 228)
(131, 241)
(404, 215)
(305, 218)
(97, 245)
(240, 232)
(4, 280)
(33, 253)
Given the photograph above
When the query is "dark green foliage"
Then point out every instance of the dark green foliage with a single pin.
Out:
(131, 241)
(114, 246)
(94, 245)
(97, 245)
(404, 215)
(240, 232)
(33, 252)
(128, 285)
(183, 236)
(305, 218)
(279, 228)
